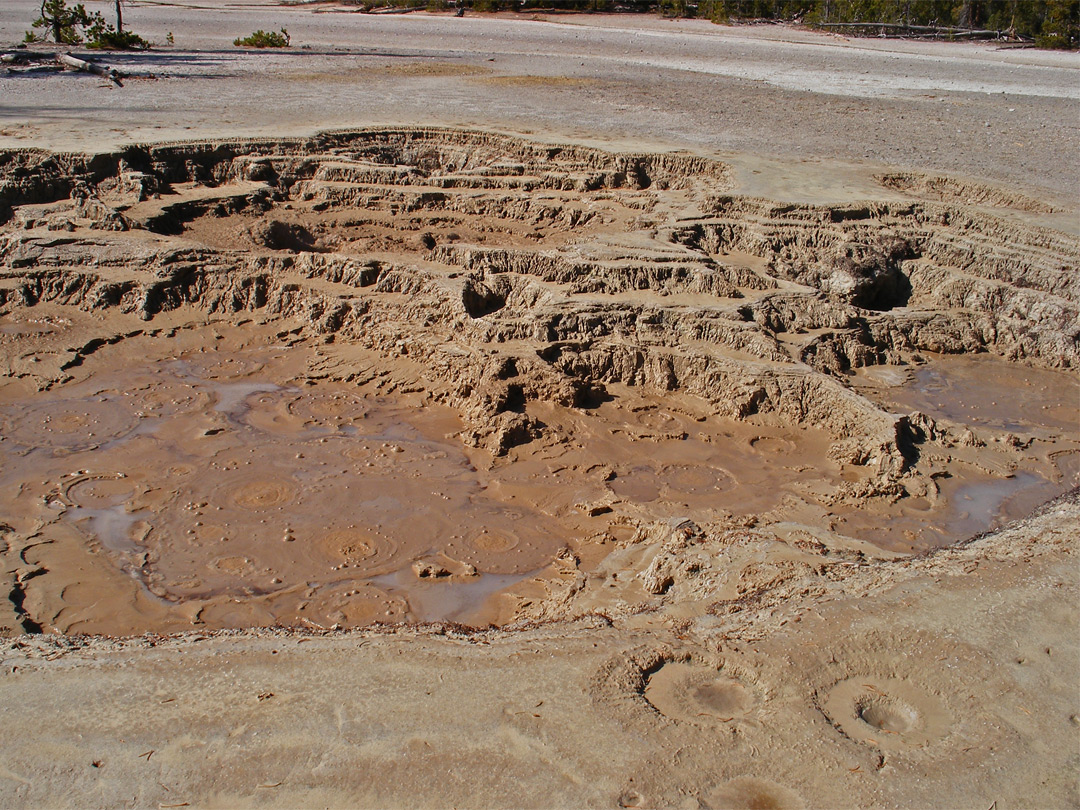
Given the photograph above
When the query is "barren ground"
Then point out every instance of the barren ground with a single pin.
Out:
(716, 372)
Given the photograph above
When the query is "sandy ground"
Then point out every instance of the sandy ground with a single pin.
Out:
(705, 605)
(1004, 115)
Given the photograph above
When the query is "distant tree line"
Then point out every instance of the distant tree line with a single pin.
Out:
(1048, 23)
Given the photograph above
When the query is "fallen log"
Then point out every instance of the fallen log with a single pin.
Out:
(33, 70)
(73, 62)
(925, 31)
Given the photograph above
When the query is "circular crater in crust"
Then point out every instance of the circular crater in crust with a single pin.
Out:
(263, 493)
(71, 425)
(722, 697)
(772, 444)
(497, 542)
(700, 694)
(751, 793)
(888, 713)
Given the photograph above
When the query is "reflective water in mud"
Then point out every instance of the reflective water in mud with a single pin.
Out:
(172, 485)
(208, 481)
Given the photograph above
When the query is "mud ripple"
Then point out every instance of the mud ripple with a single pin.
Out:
(169, 400)
(263, 493)
(69, 424)
(356, 549)
(220, 366)
(496, 542)
(328, 407)
(772, 445)
(93, 491)
(696, 480)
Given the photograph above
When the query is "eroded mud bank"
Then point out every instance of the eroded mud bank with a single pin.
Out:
(447, 375)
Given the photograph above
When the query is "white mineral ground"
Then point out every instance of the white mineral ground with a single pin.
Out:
(716, 372)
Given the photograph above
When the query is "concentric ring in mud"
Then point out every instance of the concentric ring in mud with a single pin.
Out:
(656, 420)
(179, 469)
(323, 407)
(772, 445)
(498, 541)
(98, 490)
(30, 327)
(218, 366)
(888, 713)
(236, 565)
(641, 484)
(263, 493)
(380, 455)
(701, 694)
(356, 549)
(168, 399)
(685, 479)
(68, 424)
(208, 534)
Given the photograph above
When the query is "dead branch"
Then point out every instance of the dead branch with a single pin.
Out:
(73, 62)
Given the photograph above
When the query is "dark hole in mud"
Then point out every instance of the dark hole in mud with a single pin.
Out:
(887, 714)
(481, 299)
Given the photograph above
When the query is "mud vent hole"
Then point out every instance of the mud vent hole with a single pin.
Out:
(887, 714)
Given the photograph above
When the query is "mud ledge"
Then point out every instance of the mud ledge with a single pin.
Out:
(523, 286)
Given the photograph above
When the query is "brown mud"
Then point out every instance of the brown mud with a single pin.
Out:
(440, 375)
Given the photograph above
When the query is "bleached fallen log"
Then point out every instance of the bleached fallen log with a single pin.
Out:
(73, 62)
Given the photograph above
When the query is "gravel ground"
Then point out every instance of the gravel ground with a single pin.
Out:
(1004, 115)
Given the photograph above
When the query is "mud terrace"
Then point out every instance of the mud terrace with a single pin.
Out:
(438, 466)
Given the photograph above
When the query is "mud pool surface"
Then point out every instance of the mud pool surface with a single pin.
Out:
(458, 364)
(234, 494)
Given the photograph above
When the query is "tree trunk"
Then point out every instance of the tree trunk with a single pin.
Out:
(119, 16)
(54, 21)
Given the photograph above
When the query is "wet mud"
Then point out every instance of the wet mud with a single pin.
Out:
(432, 375)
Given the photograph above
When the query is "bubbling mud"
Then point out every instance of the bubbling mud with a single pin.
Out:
(216, 498)
(420, 374)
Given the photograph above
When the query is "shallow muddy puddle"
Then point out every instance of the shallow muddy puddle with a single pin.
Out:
(208, 479)
(966, 505)
(1004, 403)
(981, 390)
(227, 489)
